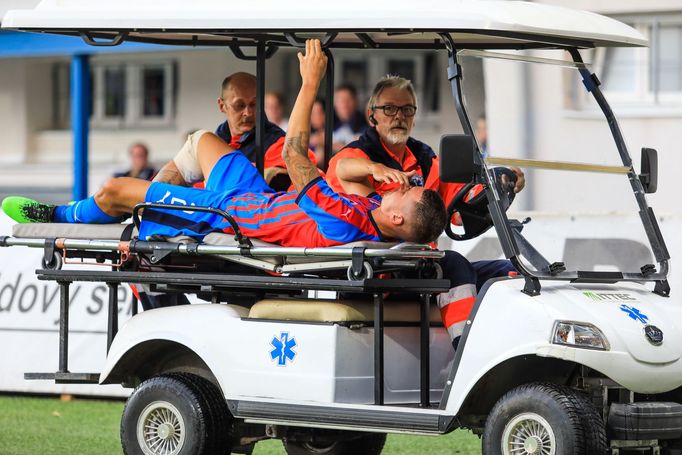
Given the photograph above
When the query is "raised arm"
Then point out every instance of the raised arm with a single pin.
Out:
(295, 152)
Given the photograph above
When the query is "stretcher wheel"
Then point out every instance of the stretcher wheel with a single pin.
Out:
(367, 272)
(55, 263)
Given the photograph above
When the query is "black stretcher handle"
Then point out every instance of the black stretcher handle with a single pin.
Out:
(238, 236)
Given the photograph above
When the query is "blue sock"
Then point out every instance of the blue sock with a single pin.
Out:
(85, 211)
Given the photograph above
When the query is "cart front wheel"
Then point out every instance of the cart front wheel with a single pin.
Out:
(544, 419)
(171, 415)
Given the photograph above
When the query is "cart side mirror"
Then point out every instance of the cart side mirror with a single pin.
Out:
(649, 175)
(457, 158)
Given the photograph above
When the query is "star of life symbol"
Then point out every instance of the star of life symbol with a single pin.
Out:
(283, 348)
(635, 314)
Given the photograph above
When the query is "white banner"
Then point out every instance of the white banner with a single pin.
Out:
(29, 309)
(29, 324)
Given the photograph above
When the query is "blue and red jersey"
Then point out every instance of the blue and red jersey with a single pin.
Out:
(315, 217)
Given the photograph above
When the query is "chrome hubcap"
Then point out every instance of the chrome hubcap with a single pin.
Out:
(528, 434)
(160, 429)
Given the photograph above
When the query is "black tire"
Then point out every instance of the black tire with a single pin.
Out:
(179, 404)
(544, 415)
(368, 444)
(593, 426)
(218, 418)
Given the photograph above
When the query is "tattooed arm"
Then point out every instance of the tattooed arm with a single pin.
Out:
(169, 173)
(295, 151)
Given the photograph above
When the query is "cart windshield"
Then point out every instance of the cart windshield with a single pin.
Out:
(538, 115)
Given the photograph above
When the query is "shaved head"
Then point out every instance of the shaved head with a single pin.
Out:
(239, 81)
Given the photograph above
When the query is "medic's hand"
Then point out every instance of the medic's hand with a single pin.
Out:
(381, 173)
(313, 63)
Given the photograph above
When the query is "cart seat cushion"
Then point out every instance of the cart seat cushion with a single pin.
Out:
(338, 310)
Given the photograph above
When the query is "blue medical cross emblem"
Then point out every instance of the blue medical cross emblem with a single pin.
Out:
(283, 348)
(635, 314)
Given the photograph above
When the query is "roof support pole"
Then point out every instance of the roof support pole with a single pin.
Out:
(260, 105)
(80, 117)
(329, 109)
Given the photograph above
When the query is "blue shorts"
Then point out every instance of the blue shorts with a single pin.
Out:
(231, 176)
(235, 174)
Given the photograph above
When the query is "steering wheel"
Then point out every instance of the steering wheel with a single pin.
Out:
(473, 210)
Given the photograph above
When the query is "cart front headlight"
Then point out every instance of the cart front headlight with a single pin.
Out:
(579, 335)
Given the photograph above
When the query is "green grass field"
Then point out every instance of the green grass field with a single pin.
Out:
(30, 426)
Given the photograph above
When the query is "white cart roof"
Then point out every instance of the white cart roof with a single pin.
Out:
(359, 23)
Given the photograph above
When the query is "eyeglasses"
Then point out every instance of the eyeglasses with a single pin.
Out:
(390, 110)
(239, 106)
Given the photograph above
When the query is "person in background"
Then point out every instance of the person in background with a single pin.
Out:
(275, 107)
(139, 163)
(349, 121)
(317, 122)
(481, 134)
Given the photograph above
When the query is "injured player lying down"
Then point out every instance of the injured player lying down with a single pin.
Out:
(311, 216)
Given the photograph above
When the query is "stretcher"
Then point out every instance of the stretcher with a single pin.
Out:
(262, 280)
(117, 245)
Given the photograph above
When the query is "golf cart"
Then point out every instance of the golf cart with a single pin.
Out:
(553, 361)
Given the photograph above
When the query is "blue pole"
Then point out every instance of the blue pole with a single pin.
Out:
(80, 118)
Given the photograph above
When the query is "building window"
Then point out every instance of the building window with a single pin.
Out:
(124, 95)
(666, 68)
(112, 100)
(153, 92)
(642, 76)
(61, 105)
(133, 94)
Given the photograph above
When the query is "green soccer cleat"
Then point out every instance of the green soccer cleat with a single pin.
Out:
(25, 210)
